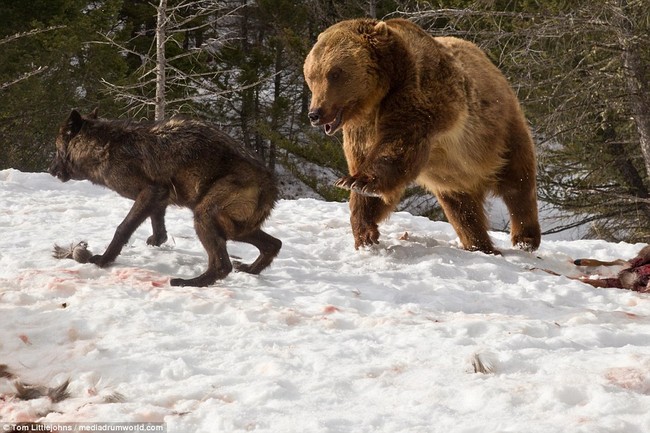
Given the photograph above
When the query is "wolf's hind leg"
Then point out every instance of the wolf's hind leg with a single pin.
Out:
(213, 238)
(268, 246)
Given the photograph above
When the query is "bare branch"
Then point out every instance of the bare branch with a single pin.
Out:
(23, 77)
(29, 33)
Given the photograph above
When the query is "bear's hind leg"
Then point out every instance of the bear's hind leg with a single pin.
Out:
(466, 214)
(517, 187)
(525, 232)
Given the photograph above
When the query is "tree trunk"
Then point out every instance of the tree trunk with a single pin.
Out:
(372, 9)
(635, 79)
(247, 96)
(275, 116)
(639, 100)
(161, 63)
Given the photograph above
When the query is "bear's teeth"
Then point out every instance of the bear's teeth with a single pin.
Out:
(332, 127)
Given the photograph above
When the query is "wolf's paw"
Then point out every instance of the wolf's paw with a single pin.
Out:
(99, 260)
(157, 239)
(243, 267)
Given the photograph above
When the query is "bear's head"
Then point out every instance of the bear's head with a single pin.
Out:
(344, 74)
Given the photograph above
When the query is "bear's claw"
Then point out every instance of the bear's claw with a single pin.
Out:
(358, 185)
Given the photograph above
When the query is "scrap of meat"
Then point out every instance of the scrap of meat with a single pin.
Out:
(634, 276)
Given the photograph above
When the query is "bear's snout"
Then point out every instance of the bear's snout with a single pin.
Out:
(330, 122)
(314, 116)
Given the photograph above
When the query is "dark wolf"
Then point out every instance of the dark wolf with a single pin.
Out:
(179, 161)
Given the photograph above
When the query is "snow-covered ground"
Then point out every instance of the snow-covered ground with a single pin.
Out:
(328, 339)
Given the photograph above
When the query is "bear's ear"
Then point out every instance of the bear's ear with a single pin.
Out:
(381, 29)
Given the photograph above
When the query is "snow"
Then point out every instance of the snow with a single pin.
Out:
(328, 339)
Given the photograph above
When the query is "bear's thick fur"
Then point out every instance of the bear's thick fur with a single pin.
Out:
(431, 110)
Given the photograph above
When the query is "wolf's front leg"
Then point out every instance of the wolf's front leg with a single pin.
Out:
(159, 235)
(147, 203)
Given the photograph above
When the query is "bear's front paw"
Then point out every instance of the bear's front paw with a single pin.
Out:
(367, 238)
(365, 235)
(360, 185)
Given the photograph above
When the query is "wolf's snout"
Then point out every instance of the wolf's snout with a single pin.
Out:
(54, 169)
(57, 170)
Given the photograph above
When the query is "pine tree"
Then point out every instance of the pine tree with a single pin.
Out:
(68, 70)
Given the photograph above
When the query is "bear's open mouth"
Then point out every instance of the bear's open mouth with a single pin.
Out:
(333, 126)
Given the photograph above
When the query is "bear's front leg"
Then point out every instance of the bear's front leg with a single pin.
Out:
(365, 215)
(379, 173)
(392, 160)
(382, 177)
(363, 185)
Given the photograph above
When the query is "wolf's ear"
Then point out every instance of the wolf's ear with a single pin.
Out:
(74, 124)
(93, 114)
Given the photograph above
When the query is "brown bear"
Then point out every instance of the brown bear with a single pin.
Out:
(430, 110)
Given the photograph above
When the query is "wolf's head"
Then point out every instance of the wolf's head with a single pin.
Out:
(63, 166)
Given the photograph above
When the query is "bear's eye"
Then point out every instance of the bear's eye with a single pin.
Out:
(334, 74)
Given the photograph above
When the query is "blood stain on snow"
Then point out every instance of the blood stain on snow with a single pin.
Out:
(330, 309)
(146, 279)
(629, 378)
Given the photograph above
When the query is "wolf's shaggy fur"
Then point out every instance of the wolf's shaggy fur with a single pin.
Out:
(180, 161)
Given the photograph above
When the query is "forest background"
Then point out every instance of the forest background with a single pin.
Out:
(580, 68)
